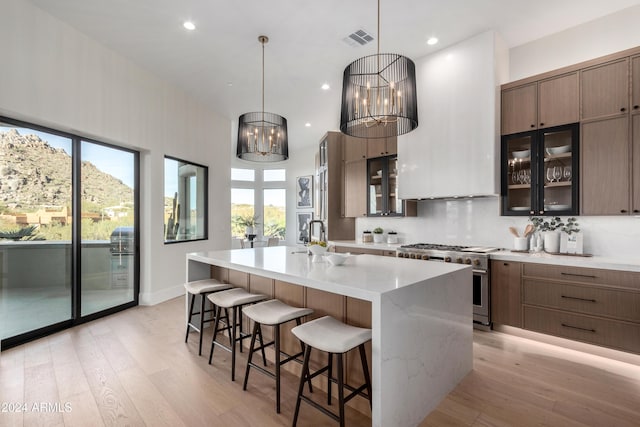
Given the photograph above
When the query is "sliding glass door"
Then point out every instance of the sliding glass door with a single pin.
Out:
(35, 229)
(108, 238)
(68, 230)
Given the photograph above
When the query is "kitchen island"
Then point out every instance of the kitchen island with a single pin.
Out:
(421, 317)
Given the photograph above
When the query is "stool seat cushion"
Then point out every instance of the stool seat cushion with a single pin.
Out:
(330, 335)
(205, 286)
(234, 297)
(274, 312)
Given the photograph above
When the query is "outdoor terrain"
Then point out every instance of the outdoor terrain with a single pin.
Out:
(34, 174)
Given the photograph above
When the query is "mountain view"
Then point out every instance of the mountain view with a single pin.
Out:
(34, 174)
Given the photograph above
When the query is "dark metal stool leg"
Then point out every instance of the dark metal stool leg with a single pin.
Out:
(305, 371)
(365, 368)
(340, 388)
(193, 300)
(329, 373)
(276, 333)
(264, 357)
(232, 340)
(251, 350)
(216, 323)
(302, 346)
(202, 302)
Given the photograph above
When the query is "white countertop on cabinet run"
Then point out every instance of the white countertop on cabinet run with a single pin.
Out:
(622, 263)
(421, 318)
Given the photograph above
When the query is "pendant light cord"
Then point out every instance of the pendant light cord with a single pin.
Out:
(263, 42)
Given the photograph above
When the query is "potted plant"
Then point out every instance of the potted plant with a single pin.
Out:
(248, 222)
(378, 237)
(571, 239)
(550, 229)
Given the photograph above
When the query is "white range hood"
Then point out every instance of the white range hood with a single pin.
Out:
(454, 152)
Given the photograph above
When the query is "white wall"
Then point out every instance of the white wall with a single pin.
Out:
(609, 34)
(53, 75)
(478, 221)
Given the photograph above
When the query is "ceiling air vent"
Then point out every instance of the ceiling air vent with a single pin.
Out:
(358, 38)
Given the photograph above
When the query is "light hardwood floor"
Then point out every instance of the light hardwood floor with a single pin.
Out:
(133, 368)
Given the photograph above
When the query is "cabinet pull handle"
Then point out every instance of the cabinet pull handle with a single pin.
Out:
(532, 212)
(623, 211)
(541, 212)
(623, 109)
(578, 275)
(533, 126)
(578, 299)
(541, 124)
(505, 264)
(635, 107)
(636, 211)
(579, 328)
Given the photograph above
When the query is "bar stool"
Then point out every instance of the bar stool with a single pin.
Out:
(203, 288)
(232, 299)
(329, 335)
(272, 313)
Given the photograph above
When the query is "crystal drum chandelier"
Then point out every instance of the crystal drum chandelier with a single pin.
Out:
(262, 136)
(379, 95)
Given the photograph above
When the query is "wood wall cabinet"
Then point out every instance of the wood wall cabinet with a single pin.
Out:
(547, 103)
(382, 189)
(380, 147)
(605, 89)
(635, 130)
(591, 305)
(354, 148)
(355, 188)
(635, 84)
(506, 301)
(605, 164)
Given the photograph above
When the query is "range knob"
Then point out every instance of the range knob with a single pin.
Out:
(406, 255)
(425, 257)
(459, 260)
(447, 259)
(468, 261)
(412, 256)
(476, 262)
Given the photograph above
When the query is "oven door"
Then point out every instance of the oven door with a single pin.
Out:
(481, 298)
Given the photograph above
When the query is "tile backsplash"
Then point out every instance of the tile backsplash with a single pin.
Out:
(478, 222)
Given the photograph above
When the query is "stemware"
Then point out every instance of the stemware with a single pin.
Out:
(567, 173)
(557, 173)
(550, 174)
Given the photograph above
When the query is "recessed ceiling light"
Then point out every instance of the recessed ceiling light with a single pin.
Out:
(432, 41)
(189, 25)
(326, 86)
(229, 84)
(308, 124)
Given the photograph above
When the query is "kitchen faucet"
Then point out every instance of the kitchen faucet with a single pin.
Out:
(322, 232)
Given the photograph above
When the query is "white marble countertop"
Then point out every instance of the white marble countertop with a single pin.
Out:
(360, 244)
(624, 264)
(361, 276)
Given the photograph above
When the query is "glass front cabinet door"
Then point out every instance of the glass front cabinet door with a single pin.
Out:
(383, 187)
(540, 172)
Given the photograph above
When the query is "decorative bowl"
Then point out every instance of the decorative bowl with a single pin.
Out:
(558, 150)
(521, 154)
(317, 251)
(337, 259)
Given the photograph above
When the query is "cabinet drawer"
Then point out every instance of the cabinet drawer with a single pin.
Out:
(625, 279)
(622, 305)
(609, 333)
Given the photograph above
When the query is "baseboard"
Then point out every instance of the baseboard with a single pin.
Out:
(153, 298)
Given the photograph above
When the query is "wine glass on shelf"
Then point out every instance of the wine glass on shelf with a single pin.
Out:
(557, 173)
(549, 174)
(567, 173)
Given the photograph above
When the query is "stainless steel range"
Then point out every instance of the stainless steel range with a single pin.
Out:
(475, 256)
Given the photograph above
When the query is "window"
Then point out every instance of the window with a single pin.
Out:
(185, 201)
(68, 245)
(258, 200)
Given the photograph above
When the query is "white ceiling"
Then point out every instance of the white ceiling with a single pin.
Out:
(220, 62)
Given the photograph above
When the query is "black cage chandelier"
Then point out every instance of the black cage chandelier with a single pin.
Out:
(379, 95)
(262, 136)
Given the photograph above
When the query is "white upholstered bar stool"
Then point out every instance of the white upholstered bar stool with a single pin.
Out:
(233, 299)
(202, 288)
(335, 338)
(272, 313)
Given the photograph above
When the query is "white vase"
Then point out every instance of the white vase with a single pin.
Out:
(249, 230)
(378, 238)
(552, 241)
